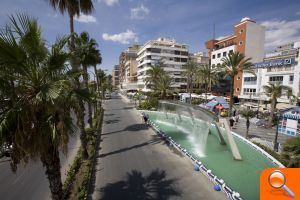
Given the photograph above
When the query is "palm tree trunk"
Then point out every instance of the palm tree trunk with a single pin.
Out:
(81, 125)
(97, 79)
(50, 160)
(273, 104)
(231, 96)
(86, 84)
(206, 90)
(71, 16)
(247, 128)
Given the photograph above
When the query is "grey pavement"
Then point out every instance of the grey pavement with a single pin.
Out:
(134, 164)
(30, 181)
(257, 131)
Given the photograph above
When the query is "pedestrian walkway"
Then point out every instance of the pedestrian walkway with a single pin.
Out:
(134, 163)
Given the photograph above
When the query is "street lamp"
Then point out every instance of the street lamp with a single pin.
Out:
(276, 135)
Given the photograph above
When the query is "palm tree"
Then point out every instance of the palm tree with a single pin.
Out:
(73, 8)
(207, 75)
(163, 84)
(152, 75)
(290, 154)
(275, 91)
(248, 114)
(101, 78)
(234, 64)
(35, 117)
(190, 70)
(84, 51)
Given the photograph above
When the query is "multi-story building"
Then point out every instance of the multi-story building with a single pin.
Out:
(174, 55)
(201, 58)
(115, 76)
(128, 68)
(248, 38)
(282, 65)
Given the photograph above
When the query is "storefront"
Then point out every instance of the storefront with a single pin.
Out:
(290, 122)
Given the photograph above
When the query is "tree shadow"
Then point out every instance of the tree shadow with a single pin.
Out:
(133, 127)
(152, 141)
(138, 187)
(112, 121)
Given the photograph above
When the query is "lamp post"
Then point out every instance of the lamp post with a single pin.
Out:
(276, 135)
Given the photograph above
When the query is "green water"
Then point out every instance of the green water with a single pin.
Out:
(241, 176)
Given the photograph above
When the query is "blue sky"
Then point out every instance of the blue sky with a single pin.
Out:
(116, 24)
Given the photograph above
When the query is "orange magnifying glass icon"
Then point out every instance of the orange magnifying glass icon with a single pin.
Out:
(277, 180)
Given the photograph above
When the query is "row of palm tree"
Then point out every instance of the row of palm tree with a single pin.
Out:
(40, 89)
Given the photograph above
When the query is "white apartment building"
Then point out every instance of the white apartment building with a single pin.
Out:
(282, 65)
(171, 53)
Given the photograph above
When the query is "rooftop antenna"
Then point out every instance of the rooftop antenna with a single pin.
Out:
(214, 31)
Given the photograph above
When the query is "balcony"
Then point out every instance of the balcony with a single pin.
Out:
(250, 82)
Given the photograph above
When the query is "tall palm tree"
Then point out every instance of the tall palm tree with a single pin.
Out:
(35, 109)
(190, 70)
(96, 59)
(152, 76)
(234, 64)
(73, 8)
(101, 78)
(248, 114)
(163, 84)
(84, 51)
(207, 75)
(275, 91)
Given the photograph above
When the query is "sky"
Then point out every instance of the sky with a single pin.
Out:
(117, 24)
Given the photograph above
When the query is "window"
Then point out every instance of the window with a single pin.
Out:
(237, 89)
(213, 56)
(249, 91)
(291, 78)
(276, 78)
(231, 51)
(241, 43)
(241, 31)
(224, 54)
(219, 55)
(250, 79)
(238, 78)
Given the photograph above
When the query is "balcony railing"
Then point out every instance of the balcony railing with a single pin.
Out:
(250, 82)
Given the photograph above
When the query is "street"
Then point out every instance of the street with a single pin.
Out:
(133, 163)
(30, 181)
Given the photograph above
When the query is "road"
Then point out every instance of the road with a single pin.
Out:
(134, 164)
(30, 181)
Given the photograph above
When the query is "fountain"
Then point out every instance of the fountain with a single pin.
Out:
(189, 126)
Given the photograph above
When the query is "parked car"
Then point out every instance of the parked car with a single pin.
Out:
(5, 150)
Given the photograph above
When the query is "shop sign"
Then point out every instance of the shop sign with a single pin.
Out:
(276, 63)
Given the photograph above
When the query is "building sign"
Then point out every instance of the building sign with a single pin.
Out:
(276, 63)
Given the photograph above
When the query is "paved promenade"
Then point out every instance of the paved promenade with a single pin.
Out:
(134, 164)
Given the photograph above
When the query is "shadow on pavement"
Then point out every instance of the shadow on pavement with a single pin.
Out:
(152, 141)
(112, 121)
(133, 127)
(139, 187)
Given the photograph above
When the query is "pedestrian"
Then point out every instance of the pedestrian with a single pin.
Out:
(231, 122)
(146, 117)
(236, 119)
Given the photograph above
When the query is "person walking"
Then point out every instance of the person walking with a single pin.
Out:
(231, 122)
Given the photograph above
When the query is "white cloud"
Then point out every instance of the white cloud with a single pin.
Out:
(139, 12)
(110, 2)
(124, 37)
(221, 37)
(298, 13)
(279, 32)
(86, 19)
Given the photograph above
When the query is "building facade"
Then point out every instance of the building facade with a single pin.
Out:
(115, 76)
(200, 58)
(174, 55)
(280, 65)
(128, 69)
(248, 38)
